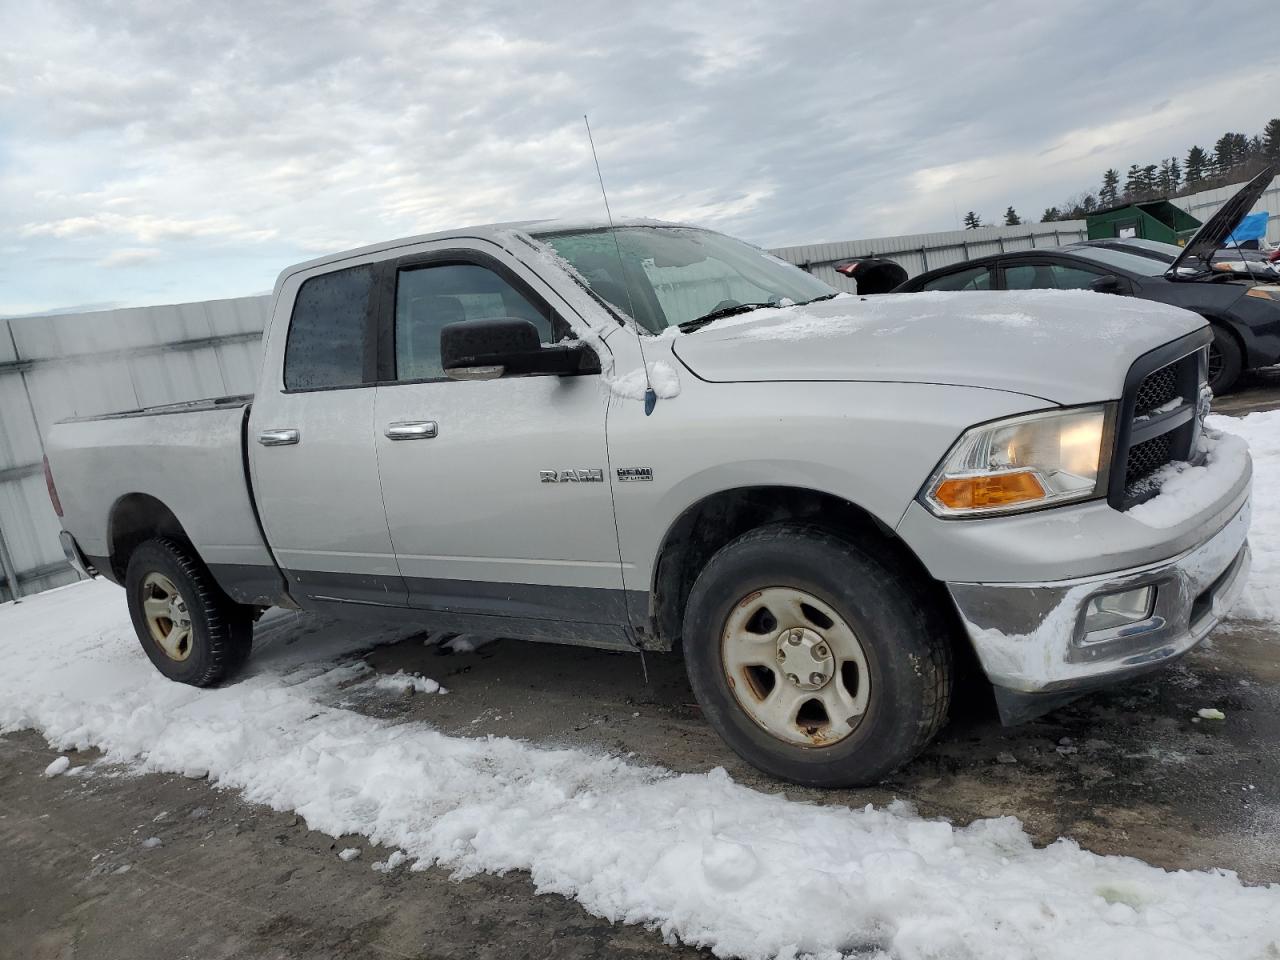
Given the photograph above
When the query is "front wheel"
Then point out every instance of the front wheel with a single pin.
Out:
(1226, 361)
(815, 661)
(190, 630)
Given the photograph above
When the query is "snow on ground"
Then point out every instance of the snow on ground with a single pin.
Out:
(696, 857)
(1261, 599)
(401, 682)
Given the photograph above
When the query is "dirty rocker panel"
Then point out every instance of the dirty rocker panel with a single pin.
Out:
(584, 615)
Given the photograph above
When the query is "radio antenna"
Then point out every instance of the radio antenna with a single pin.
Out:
(650, 395)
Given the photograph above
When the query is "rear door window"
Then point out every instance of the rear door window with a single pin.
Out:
(327, 344)
(974, 278)
(1029, 276)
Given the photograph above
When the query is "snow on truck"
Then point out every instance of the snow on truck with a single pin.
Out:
(656, 437)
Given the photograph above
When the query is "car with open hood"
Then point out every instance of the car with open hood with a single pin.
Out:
(1239, 299)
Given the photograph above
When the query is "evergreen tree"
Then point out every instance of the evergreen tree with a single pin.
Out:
(1089, 203)
(1197, 166)
(1271, 140)
(972, 221)
(1175, 175)
(1228, 152)
(1149, 177)
(1133, 182)
(1011, 218)
(1110, 193)
(1051, 214)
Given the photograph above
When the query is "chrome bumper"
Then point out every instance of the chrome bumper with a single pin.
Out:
(75, 556)
(1031, 638)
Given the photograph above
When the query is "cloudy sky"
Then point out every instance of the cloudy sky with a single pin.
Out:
(154, 152)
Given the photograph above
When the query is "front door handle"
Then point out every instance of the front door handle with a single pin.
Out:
(412, 430)
(279, 438)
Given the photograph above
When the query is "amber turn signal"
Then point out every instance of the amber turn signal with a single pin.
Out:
(969, 493)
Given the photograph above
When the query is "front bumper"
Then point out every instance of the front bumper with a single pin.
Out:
(1031, 638)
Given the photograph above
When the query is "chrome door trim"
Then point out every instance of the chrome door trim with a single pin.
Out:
(281, 437)
(412, 430)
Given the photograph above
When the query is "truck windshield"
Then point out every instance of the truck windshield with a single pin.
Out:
(673, 275)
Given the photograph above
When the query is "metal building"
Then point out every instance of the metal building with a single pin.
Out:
(82, 364)
(925, 251)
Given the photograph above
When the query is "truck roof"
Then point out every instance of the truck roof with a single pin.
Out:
(485, 231)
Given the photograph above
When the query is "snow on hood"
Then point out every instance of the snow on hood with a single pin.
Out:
(1066, 346)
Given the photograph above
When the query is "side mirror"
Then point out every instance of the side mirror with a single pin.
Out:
(505, 346)
(1107, 284)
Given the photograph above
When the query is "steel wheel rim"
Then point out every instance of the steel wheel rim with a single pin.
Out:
(1216, 363)
(820, 684)
(167, 616)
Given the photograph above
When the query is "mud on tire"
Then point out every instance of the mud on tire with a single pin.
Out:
(901, 678)
(190, 630)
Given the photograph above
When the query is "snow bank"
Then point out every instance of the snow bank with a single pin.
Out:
(1261, 598)
(697, 857)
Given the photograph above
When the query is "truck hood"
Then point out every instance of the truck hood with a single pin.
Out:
(1067, 347)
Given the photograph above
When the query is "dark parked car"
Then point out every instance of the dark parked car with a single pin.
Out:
(1225, 261)
(1243, 309)
(873, 274)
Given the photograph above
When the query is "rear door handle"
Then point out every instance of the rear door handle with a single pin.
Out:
(412, 430)
(279, 438)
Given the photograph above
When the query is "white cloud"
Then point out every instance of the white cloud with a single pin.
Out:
(129, 257)
(238, 137)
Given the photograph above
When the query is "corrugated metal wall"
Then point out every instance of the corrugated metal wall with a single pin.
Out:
(89, 363)
(925, 251)
(1204, 205)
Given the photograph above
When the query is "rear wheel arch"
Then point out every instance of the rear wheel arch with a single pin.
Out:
(134, 519)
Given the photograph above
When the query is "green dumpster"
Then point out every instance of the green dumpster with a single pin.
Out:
(1147, 219)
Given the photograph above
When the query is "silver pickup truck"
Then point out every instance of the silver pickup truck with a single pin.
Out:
(656, 437)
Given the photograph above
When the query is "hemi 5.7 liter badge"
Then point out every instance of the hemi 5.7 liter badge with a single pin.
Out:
(626, 474)
(595, 475)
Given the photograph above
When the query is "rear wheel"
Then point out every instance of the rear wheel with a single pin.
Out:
(1226, 361)
(190, 630)
(815, 661)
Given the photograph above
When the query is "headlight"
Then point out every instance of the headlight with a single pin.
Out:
(1023, 463)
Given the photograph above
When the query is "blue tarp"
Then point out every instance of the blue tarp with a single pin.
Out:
(1252, 227)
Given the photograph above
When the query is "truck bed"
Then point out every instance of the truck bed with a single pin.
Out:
(162, 409)
(185, 458)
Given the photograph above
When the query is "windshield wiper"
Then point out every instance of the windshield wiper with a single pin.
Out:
(697, 323)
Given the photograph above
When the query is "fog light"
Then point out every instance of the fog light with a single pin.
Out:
(1112, 610)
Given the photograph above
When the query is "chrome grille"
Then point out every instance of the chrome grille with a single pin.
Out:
(1156, 390)
(1159, 431)
(1146, 458)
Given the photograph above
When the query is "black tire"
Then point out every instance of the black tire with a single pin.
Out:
(221, 632)
(1226, 361)
(905, 640)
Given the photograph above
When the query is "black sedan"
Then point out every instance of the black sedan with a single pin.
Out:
(1244, 311)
